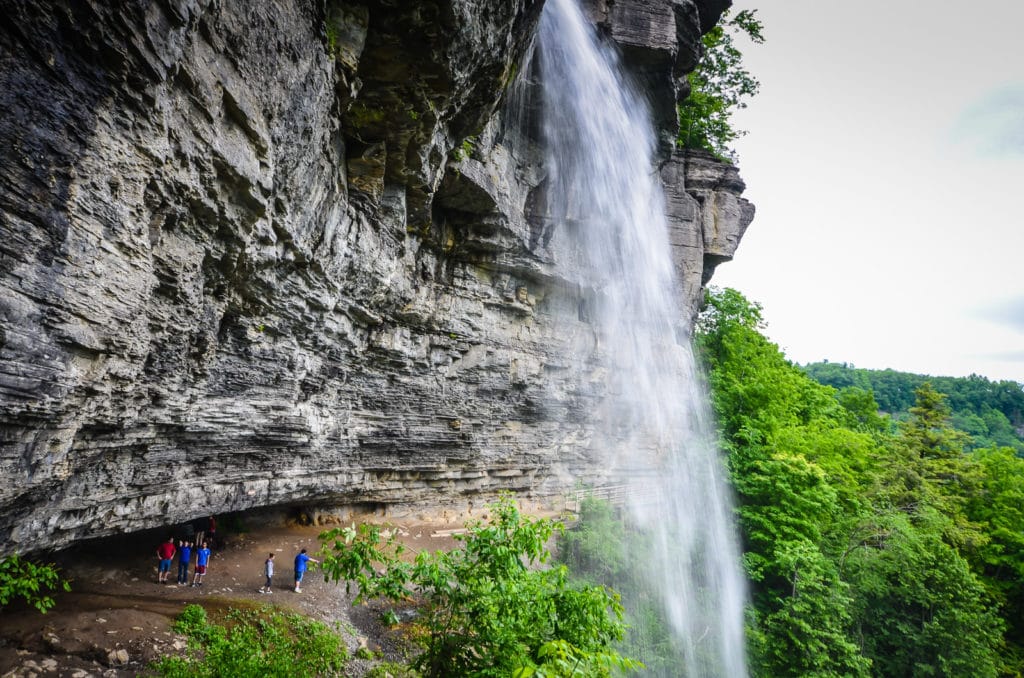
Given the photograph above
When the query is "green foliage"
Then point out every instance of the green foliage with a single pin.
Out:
(990, 412)
(335, 25)
(998, 506)
(718, 87)
(928, 428)
(725, 308)
(598, 546)
(919, 609)
(863, 410)
(361, 115)
(392, 670)
(191, 621)
(465, 149)
(872, 549)
(803, 630)
(331, 31)
(259, 643)
(602, 549)
(929, 470)
(488, 608)
(559, 658)
(362, 556)
(20, 578)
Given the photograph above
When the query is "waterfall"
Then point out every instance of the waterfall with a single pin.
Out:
(655, 427)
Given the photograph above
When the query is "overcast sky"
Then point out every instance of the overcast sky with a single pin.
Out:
(886, 158)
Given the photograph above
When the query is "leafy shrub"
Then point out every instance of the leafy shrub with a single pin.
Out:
(486, 611)
(192, 619)
(260, 642)
(24, 579)
(390, 618)
(392, 670)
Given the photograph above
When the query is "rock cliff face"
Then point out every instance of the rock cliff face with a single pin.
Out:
(260, 254)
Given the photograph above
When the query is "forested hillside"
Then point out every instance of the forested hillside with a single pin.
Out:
(874, 548)
(991, 412)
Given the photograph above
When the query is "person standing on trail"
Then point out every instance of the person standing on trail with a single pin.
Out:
(184, 555)
(165, 553)
(301, 561)
(202, 558)
(268, 572)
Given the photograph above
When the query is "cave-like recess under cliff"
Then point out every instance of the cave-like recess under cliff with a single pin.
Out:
(257, 254)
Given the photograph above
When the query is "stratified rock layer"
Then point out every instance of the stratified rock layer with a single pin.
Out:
(258, 254)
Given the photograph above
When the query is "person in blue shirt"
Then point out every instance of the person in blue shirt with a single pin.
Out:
(184, 555)
(202, 559)
(301, 561)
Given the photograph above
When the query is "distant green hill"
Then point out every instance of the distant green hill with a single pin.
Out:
(992, 412)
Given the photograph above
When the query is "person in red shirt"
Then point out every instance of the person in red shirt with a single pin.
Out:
(165, 552)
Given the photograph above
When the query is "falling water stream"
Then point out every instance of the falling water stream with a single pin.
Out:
(656, 430)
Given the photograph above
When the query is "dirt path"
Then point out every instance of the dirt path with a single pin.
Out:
(117, 617)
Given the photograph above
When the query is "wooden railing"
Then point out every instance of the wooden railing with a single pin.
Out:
(616, 495)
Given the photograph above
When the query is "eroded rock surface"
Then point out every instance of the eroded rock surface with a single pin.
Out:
(257, 254)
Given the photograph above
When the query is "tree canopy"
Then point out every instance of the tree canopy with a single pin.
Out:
(719, 86)
(991, 412)
(874, 548)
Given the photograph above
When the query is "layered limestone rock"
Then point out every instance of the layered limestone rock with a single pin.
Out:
(707, 216)
(260, 254)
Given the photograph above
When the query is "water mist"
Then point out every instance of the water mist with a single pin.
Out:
(655, 427)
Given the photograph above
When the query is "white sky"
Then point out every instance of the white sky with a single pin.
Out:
(886, 158)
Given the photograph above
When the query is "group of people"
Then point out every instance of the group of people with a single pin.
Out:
(183, 549)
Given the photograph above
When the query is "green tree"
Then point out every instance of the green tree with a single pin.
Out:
(488, 608)
(992, 413)
(999, 507)
(719, 86)
(918, 608)
(796, 469)
(999, 430)
(809, 626)
(929, 430)
(928, 469)
(860, 404)
(858, 538)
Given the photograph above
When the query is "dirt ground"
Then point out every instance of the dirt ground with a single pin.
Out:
(117, 618)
